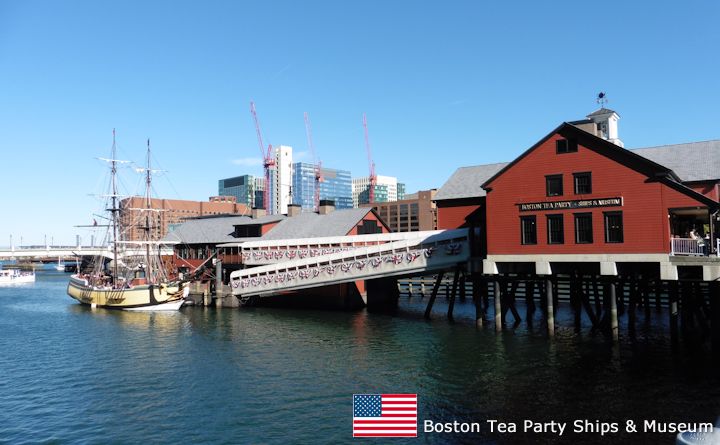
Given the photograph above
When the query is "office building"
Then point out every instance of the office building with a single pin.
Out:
(336, 186)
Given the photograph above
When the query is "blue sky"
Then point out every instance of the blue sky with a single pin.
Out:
(444, 84)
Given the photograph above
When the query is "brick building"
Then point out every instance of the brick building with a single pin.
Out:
(167, 213)
(415, 213)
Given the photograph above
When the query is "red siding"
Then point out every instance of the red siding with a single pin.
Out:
(265, 228)
(709, 189)
(645, 204)
(370, 216)
(453, 216)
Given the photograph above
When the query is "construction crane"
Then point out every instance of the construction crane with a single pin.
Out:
(268, 160)
(317, 164)
(371, 164)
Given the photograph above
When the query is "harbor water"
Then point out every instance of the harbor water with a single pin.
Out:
(69, 374)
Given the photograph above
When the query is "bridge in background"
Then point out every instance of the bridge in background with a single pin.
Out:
(44, 252)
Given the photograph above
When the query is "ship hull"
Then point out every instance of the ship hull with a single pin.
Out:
(146, 297)
(14, 277)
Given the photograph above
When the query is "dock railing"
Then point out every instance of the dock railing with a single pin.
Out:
(686, 246)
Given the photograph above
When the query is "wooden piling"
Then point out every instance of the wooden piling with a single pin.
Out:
(478, 284)
(510, 302)
(614, 328)
(218, 284)
(498, 306)
(550, 311)
(435, 290)
(451, 302)
(620, 296)
(673, 299)
(633, 298)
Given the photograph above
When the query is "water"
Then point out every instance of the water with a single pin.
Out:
(72, 375)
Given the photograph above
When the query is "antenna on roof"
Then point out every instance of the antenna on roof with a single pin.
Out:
(601, 99)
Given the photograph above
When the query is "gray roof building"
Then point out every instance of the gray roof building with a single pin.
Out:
(694, 161)
(467, 182)
(220, 230)
(312, 225)
(215, 230)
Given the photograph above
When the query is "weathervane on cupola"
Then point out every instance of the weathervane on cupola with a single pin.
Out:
(601, 99)
(606, 121)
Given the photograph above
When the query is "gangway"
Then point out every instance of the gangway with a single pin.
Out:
(256, 253)
(422, 255)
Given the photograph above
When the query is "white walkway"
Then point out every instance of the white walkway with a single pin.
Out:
(414, 255)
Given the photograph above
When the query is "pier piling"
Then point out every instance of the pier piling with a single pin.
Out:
(550, 310)
(614, 329)
(478, 284)
(433, 295)
(451, 302)
(498, 306)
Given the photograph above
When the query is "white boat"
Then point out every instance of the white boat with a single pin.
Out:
(15, 276)
(139, 282)
(60, 267)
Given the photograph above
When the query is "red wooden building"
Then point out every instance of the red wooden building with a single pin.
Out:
(578, 198)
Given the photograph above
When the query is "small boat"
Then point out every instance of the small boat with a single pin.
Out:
(15, 276)
(127, 279)
(60, 267)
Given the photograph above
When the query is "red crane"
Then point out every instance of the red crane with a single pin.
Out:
(268, 160)
(317, 164)
(371, 164)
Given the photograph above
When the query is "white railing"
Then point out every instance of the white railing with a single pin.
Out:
(686, 246)
(396, 258)
(273, 251)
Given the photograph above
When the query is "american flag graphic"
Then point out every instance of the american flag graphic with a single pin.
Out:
(385, 415)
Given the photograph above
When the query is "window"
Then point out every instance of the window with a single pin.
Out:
(555, 229)
(566, 146)
(583, 228)
(583, 183)
(613, 227)
(248, 231)
(528, 230)
(368, 227)
(554, 185)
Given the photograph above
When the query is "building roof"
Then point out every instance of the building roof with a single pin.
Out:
(694, 161)
(602, 110)
(312, 225)
(215, 230)
(219, 230)
(467, 182)
(646, 166)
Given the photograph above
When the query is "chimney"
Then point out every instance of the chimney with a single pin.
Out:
(294, 210)
(257, 213)
(326, 206)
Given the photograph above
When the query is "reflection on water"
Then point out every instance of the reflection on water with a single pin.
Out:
(72, 374)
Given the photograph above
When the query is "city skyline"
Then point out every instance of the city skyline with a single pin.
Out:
(443, 86)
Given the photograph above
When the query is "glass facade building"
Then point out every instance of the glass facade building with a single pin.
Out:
(241, 187)
(336, 186)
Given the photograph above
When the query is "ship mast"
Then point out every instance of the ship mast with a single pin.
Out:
(114, 209)
(148, 182)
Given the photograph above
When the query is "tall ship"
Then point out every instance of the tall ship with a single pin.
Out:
(130, 275)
